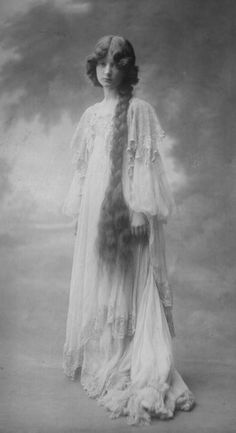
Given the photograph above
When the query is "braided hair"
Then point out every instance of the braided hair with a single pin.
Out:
(114, 241)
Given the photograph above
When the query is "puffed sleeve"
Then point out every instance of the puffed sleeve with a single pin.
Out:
(80, 144)
(146, 187)
(147, 191)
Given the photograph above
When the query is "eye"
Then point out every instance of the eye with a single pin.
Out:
(102, 63)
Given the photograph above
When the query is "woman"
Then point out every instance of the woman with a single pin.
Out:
(119, 324)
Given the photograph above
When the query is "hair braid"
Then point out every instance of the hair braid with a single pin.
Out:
(114, 241)
(114, 232)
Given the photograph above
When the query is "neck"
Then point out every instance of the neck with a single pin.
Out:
(110, 94)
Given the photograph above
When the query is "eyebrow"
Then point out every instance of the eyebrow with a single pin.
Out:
(106, 61)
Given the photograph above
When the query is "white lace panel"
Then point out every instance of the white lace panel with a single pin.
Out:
(146, 188)
(145, 134)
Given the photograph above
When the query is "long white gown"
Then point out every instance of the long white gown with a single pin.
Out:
(119, 328)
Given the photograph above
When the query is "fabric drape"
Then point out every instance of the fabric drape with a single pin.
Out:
(119, 327)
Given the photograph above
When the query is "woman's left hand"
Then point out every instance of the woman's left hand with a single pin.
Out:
(139, 224)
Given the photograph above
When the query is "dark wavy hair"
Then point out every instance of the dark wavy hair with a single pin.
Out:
(114, 241)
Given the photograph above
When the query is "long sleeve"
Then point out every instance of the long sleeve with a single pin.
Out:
(146, 190)
(80, 144)
(146, 187)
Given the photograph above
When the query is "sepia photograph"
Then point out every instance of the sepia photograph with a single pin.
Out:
(117, 216)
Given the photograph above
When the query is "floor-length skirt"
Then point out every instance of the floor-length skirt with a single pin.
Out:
(117, 334)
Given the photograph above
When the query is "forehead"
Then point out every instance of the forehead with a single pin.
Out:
(107, 59)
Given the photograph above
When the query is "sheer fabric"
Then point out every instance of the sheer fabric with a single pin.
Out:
(119, 327)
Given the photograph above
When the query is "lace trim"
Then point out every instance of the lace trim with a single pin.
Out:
(165, 293)
(146, 152)
(121, 327)
(72, 360)
(166, 298)
(131, 150)
(186, 401)
(164, 288)
(105, 121)
(79, 160)
(80, 156)
(122, 398)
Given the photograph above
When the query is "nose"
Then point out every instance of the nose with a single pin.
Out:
(108, 69)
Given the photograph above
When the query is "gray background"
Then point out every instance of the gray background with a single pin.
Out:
(186, 53)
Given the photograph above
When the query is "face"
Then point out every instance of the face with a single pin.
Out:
(108, 74)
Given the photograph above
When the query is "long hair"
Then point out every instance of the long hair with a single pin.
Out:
(114, 240)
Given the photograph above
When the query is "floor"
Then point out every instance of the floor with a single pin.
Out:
(35, 395)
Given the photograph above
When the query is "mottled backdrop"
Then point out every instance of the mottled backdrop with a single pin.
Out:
(186, 52)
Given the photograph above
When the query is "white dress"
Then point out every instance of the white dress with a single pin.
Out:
(118, 338)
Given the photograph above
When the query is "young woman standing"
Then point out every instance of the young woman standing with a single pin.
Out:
(119, 324)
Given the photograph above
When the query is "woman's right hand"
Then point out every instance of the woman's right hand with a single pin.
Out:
(139, 224)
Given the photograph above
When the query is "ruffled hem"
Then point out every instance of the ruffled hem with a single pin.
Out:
(139, 404)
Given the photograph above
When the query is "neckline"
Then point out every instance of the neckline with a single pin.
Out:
(110, 112)
(102, 113)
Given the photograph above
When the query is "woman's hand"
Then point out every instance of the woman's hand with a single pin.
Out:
(139, 224)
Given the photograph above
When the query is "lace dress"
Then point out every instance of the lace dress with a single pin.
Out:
(119, 328)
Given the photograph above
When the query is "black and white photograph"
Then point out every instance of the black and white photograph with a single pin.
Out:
(117, 216)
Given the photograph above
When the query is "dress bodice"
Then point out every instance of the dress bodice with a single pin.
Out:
(101, 126)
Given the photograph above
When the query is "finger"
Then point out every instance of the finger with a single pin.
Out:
(140, 231)
(144, 232)
(145, 229)
(133, 230)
